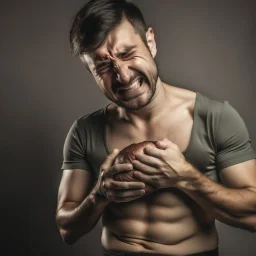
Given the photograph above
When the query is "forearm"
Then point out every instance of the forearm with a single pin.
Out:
(75, 221)
(235, 207)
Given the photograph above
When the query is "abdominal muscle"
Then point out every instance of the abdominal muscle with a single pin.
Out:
(166, 222)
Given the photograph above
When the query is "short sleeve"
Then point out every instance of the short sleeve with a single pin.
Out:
(74, 150)
(232, 139)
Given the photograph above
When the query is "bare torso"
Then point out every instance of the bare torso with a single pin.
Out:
(166, 221)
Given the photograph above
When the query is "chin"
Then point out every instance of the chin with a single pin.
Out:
(137, 103)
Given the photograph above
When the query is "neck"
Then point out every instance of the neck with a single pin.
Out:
(160, 102)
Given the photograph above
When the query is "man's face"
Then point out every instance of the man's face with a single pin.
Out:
(124, 67)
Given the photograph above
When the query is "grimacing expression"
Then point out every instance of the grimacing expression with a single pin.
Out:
(124, 67)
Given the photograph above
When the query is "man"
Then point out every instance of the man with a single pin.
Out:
(203, 167)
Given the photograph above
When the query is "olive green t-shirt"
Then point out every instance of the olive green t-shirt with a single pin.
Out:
(219, 139)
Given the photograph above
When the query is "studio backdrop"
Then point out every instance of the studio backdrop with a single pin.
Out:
(205, 46)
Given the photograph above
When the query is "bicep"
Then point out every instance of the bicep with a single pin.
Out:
(75, 185)
(233, 143)
(241, 175)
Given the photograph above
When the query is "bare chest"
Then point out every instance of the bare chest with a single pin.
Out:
(176, 127)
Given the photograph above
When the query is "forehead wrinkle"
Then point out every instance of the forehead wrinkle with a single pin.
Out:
(105, 56)
(101, 54)
(122, 48)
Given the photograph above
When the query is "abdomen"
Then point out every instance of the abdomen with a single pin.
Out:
(163, 218)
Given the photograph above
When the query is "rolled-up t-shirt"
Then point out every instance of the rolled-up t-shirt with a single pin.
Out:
(219, 138)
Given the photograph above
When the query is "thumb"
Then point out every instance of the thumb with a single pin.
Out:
(110, 159)
(162, 144)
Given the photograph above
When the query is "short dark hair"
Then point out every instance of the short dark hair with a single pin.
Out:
(97, 18)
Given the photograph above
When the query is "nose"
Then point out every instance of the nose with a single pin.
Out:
(122, 77)
(122, 71)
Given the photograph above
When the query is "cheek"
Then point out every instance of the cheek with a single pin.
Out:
(106, 85)
(144, 65)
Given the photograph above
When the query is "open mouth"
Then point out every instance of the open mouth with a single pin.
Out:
(133, 86)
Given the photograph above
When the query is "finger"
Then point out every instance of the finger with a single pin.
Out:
(148, 179)
(155, 152)
(104, 190)
(137, 165)
(162, 144)
(125, 185)
(109, 160)
(125, 193)
(165, 143)
(148, 160)
(119, 168)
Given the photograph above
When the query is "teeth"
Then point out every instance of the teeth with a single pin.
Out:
(133, 85)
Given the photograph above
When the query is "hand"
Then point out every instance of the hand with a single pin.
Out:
(117, 191)
(161, 167)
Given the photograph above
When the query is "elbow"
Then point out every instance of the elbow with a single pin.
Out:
(251, 224)
(252, 228)
(70, 233)
(68, 237)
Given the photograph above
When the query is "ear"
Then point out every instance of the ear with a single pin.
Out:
(150, 37)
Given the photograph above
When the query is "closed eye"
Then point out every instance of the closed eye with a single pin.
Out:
(126, 55)
(102, 68)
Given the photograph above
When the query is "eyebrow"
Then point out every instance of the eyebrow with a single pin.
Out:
(100, 64)
(126, 49)
(104, 60)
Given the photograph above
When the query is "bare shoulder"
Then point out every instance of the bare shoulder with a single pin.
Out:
(184, 97)
(187, 96)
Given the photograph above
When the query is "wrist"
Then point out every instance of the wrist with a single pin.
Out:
(191, 178)
(97, 198)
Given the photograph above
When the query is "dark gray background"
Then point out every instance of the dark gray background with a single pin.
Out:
(206, 46)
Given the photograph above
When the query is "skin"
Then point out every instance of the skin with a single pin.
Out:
(178, 217)
(160, 227)
(115, 67)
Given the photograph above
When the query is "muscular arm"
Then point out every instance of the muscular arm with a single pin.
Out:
(234, 202)
(79, 207)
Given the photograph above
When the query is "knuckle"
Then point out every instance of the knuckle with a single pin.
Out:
(162, 154)
(147, 149)
(154, 178)
(162, 168)
(126, 186)
(103, 168)
(111, 185)
(105, 185)
(114, 185)
(109, 157)
(114, 168)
